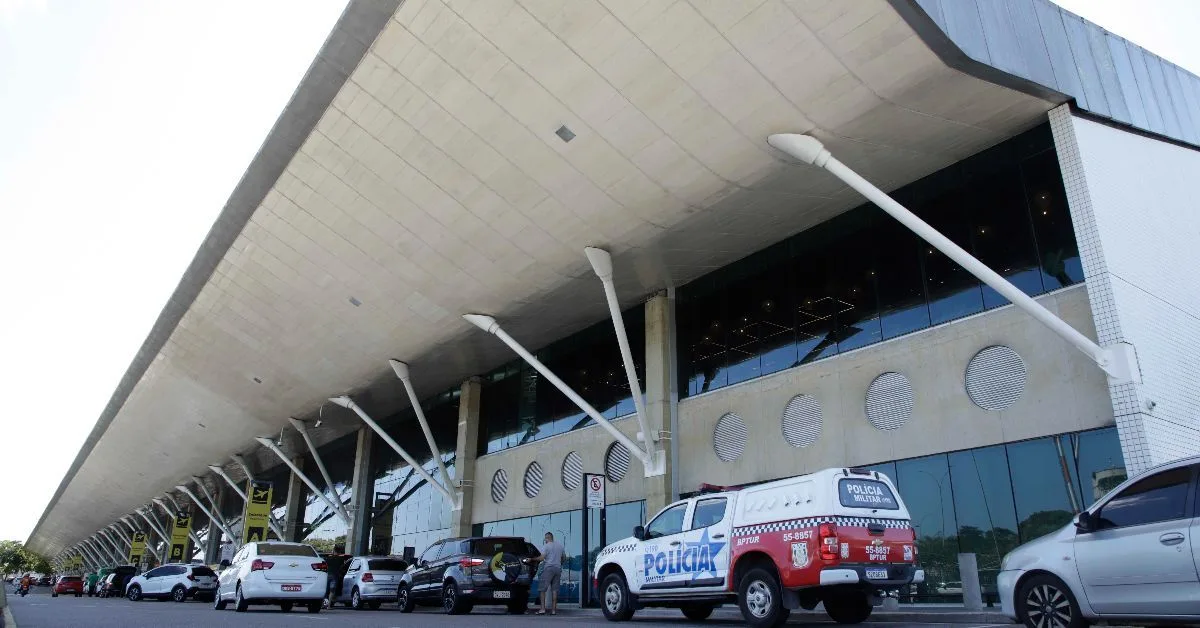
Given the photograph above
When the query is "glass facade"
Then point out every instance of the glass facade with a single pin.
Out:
(518, 406)
(990, 500)
(861, 277)
(567, 527)
(406, 511)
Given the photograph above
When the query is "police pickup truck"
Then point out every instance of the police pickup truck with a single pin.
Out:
(840, 537)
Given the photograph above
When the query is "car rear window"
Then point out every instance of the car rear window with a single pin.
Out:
(386, 564)
(202, 571)
(489, 547)
(286, 549)
(855, 493)
(71, 579)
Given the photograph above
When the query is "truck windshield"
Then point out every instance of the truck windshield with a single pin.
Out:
(872, 494)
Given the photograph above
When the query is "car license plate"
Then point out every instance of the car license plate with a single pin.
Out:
(502, 595)
(290, 587)
(877, 574)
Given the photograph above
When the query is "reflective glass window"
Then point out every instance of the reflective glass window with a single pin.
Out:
(669, 521)
(1101, 465)
(708, 512)
(925, 487)
(941, 199)
(983, 506)
(1160, 497)
(1041, 487)
(903, 307)
(1047, 201)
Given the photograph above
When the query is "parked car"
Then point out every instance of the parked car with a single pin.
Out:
(459, 573)
(841, 537)
(67, 585)
(1129, 558)
(113, 585)
(370, 581)
(949, 588)
(44, 581)
(175, 581)
(273, 572)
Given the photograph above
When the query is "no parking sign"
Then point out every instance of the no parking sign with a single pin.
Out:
(593, 485)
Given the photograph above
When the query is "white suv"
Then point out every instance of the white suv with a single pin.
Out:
(1131, 557)
(273, 572)
(174, 581)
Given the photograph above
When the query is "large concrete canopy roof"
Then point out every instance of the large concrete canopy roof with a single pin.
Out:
(416, 175)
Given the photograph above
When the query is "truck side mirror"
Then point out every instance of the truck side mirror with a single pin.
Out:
(1084, 522)
(639, 533)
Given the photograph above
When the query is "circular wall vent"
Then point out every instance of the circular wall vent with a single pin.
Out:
(995, 378)
(889, 401)
(499, 486)
(802, 421)
(729, 437)
(572, 471)
(532, 483)
(616, 462)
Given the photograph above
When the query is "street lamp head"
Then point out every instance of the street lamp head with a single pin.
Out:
(601, 262)
(482, 321)
(806, 148)
(400, 368)
(342, 401)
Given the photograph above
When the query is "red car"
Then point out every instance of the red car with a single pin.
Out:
(68, 584)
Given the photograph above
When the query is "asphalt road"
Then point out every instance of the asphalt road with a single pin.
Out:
(39, 610)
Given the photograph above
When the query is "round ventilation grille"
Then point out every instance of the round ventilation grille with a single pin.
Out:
(499, 486)
(995, 378)
(616, 462)
(729, 437)
(802, 421)
(572, 471)
(889, 401)
(533, 480)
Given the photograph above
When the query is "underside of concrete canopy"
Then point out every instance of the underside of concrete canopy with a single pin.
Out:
(420, 172)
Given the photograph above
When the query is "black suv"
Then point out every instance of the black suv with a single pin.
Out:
(460, 573)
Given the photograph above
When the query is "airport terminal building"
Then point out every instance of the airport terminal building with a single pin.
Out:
(443, 158)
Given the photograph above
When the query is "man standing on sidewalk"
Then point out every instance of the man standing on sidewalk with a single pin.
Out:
(552, 555)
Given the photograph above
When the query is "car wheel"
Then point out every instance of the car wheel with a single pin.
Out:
(615, 600)
(240, 603)
(452, 600)
(1045, 602)
(697, 612)
(848, 607)
(54, 594)
(78, 595)
(134, 593)
(760, 599)
(179, 594)
(404, 599)
(356, 600)
(285, 607)
(315, 607)
(218, 603)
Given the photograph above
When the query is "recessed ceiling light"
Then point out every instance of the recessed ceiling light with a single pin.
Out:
(564, 133)
(257, 380)
(355, 302)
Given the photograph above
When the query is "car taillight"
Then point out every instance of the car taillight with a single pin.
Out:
(468, 563)
(260, 564)
(827, 533)
(368, 577)
(191, 577)
(321, 566)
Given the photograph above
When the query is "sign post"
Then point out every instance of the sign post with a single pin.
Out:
(257, 518)
(593, 499)
(179, 536)
(137, 547)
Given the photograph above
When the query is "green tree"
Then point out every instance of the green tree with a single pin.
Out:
(15, 558)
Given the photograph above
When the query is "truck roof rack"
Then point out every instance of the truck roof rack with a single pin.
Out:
(707, 488)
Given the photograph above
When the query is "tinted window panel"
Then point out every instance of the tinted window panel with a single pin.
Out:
(866, 494)
(202, 571)
(386, 564)
(670, 521)
(1052, 226)
(1160, 497)
(286, 549)
(1041, 488)
(490, 547)
(708, 512)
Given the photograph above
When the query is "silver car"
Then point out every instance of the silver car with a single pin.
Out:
(371, 581)
(1132, 556)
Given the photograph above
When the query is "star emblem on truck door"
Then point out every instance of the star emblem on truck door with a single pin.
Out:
(705, 552)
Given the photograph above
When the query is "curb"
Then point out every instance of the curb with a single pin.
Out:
(7, 620)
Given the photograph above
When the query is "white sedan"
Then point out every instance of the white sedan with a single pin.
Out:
(1132, 556)
(276, 573)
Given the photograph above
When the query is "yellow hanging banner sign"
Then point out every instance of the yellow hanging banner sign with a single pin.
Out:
(137, 548)
(257, 518)
(179, 536)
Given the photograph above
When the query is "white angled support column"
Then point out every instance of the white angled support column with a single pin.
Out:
(241, 461)
(122, 557)
(601, 263)
(87, 551)
(347, 402)
(157, 528)
(401, 370)
(133, 529)
(270, 444)
(654, 465)
(101, 547)
(99, 550)
(1118, 361)
(312, 449)
(172, 513)
(212, 518)
(241, 493)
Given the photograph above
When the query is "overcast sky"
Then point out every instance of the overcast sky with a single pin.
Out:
(124, 126)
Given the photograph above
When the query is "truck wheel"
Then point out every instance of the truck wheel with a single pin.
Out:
(848, 607)
(760, 599)
(697, 612)
(614, 598)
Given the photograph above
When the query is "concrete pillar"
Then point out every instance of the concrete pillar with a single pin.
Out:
(212, 545)
(660, 396)
(293, 517)
(968, 570)
(362, 493)
(464, 454)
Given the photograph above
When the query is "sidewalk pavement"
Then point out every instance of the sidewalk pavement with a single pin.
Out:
(921, 614)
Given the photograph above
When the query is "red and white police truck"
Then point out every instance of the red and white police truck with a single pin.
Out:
(841, 537)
